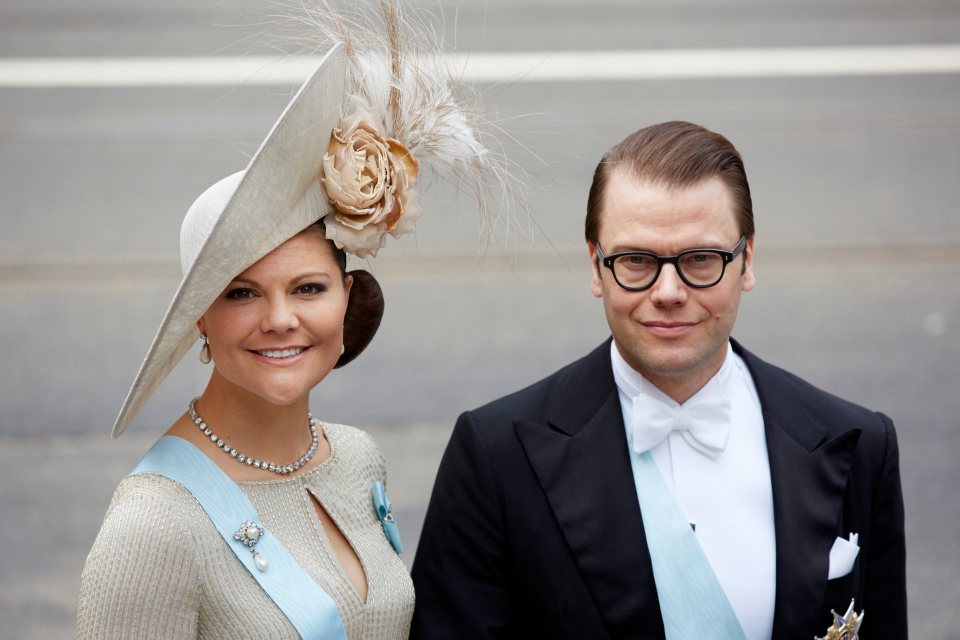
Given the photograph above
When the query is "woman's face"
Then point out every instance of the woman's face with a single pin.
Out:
(277, 329)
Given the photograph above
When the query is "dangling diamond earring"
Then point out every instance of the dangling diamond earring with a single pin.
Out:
(205, 350)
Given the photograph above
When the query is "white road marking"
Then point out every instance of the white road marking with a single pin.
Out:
(541, 66)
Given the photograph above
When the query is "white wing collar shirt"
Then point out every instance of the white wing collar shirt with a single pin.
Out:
(712, 453)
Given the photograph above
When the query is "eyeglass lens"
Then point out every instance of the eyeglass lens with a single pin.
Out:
(700, 268)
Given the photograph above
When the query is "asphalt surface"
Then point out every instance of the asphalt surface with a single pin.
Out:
(858, 251)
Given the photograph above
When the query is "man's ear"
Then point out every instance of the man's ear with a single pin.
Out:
(596, 284)
(747, 280)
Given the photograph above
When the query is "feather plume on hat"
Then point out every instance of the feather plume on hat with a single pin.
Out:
(398, 75)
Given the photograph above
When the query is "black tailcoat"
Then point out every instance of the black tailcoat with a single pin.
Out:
(534, 530)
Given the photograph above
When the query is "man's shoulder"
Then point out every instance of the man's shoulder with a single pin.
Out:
(540, 399)
(776, 385)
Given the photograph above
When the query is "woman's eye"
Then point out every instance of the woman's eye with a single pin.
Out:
(311, 289)
(239, 294)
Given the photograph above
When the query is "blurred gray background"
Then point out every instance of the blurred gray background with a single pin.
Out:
(855, 181)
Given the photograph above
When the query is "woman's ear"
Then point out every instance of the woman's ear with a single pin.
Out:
(201, 326)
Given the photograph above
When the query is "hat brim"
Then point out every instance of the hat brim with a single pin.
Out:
(278, 196)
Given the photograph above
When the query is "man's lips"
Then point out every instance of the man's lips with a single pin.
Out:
(669, 329)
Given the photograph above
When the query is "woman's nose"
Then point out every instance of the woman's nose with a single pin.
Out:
(280, 316)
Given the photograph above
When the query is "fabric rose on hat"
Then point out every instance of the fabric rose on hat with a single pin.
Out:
(369, 181)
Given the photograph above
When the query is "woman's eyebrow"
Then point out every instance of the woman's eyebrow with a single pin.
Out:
(312, 274)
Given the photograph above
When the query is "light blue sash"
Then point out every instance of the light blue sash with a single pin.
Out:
(692, 602)
(302, 600)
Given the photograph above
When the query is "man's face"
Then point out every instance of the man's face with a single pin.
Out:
(673, 334)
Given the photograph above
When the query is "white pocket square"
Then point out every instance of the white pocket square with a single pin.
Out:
(842, 556)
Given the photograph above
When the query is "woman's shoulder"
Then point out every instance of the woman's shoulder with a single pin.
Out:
(355, 447)
(143, 568)
(146, 504)
(152, 490)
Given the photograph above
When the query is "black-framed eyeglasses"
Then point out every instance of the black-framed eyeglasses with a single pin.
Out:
(698, 268)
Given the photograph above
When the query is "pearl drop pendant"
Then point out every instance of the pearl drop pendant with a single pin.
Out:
(249, 534)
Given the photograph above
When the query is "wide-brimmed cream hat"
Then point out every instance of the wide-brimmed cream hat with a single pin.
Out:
(347, 149)
(244, 217)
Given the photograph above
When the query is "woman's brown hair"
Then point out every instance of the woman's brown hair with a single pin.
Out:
(364, 307)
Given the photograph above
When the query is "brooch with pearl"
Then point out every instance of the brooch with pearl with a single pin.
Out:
(250, 534)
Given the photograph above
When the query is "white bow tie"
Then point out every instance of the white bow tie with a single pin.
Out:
(703, 424)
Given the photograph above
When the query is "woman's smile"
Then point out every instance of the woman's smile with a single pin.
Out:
(284, 356)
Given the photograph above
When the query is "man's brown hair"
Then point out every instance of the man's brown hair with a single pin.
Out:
(676, 155)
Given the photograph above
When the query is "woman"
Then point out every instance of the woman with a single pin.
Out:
(159, 567)
(251, 518)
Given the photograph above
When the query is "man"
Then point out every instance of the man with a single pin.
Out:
(670, 483)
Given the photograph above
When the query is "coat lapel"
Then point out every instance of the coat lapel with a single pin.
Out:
(581, 460)
(809, 468)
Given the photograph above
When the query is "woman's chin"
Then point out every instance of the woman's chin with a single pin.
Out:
(285, 397)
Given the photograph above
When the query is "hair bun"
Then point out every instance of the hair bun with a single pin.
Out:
(364, 312)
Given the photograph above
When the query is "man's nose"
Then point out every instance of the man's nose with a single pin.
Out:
(669, 287)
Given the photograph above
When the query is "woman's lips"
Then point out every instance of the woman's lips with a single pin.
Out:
(284, 356)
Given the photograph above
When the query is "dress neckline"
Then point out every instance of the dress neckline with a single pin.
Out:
(327, 431)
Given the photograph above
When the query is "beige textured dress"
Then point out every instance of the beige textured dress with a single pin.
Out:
(160, 569)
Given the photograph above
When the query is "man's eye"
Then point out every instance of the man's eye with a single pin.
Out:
(637, 260)
(701, 259)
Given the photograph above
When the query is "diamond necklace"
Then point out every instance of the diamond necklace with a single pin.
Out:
(253, 462)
